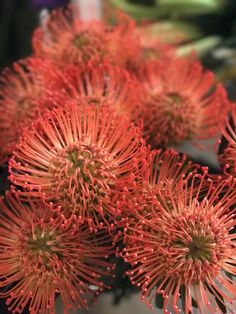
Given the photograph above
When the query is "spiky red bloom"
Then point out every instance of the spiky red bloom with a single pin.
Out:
(80, 157)
(41, 257)
(104, 82)
(182, 103)
(26, 89)
(186, 244)
(66, 39)
(227, 158)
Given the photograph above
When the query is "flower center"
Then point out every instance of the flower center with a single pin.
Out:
(42, 253)
(44, 245)
(77, 159)
(82, 40)
(82, 176)
(88, 44)
(199, 248)
(174, 100)
(177, 120)
(41, 241)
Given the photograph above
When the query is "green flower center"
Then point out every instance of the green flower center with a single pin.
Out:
(81, 40)
(81, 177)
(173, 101)
(41, 241)
(200, 248)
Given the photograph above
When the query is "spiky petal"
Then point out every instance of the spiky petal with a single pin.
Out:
(41, 257)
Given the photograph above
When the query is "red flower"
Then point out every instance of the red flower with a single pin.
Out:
(186, 244)
(26, 89)
(41, 256)
(182, 103)
(104, 83)
(227, 159)
(80, 157)
(67, 39)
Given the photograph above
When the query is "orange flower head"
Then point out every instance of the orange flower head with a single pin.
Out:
(104, 83)
(186, 245)
(181, 103)
(67, 39)
(41, 257)
(29, 87)
(80, 157)
(227, 158)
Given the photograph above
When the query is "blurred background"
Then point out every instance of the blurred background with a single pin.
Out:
(205, 26)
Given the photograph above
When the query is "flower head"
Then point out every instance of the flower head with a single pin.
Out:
(186, 244)
(66, 38)
(41, 257)
(182, 103)
(227, 158)
(104, 83)
(26, 89)
(80, 157)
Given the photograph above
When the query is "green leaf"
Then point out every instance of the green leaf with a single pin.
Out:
(137, 11)
(201, 46)
(168, 7)
(170, 31)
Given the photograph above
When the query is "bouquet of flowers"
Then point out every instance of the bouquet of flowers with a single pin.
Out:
(88, 127)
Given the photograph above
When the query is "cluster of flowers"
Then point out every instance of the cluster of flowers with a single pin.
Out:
(79, 121)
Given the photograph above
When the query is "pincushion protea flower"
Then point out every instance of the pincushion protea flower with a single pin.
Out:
(104, 82)
(41, 256)
(80, 157)
(186, 245)
(227, 158)
(182, 102)
(26, 89)
(70, 40)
